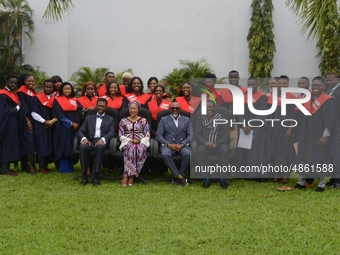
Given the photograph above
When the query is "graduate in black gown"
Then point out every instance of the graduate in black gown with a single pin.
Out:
(9, 126)
(68, 112)
(42, 124)
(257, 155)
(26, 93)
(281, 144)
(318, 153)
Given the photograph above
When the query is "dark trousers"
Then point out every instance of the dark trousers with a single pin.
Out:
(84, 151)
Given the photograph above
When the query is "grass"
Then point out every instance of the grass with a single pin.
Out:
(53, 214)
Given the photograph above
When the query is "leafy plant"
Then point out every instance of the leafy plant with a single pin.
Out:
(189, 70)
(260, 38)
(85, 74)
(321, 19)
(39, 77)
(15, 20)
(56, 10)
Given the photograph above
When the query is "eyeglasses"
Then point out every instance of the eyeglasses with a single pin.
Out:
(175, 108)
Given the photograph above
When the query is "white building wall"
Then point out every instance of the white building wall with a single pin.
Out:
(150, 36)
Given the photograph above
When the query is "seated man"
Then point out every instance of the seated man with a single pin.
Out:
(173, 133)
(94, 135)
(212, 140)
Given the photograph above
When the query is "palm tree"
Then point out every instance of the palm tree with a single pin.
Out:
(85, 74)
(15, 20)
(57, 9)
(321, 18)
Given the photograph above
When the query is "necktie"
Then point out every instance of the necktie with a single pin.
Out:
(100, 116)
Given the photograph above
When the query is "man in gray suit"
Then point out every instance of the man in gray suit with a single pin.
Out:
(94, 135)
(173, 133)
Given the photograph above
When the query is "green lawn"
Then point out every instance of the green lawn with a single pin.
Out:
(53, 214)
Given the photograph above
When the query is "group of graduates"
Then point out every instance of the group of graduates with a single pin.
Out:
(42, 126)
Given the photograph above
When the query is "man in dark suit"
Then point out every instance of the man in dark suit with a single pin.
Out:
(173, 133)
(212, 140)
(94, 135)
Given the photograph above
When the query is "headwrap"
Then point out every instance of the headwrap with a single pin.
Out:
(136, 103)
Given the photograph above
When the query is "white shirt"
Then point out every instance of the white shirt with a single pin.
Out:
(37, 116)
(97, 133)
(333, 89)
(175, 120)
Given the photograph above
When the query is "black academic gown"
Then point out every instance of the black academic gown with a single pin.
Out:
(310, 154)
(257, 155)
(42, 135)
(26, 137)
(63, 137)
(9, 130)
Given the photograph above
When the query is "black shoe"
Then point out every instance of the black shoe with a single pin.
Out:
(84, 181)
(182, 181)
(224, 185)
(335, 185)
(319, 189)
(95, 182)
(206, 185)
(299, 186)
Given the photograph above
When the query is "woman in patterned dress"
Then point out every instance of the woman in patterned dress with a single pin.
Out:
(134, 134)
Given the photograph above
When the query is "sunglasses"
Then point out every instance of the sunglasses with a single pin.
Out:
(175, 108)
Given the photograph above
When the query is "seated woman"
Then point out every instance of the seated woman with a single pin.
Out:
(113, 96)
(134, 134)
(156, 105)
(135, 93)
(188, 100)
(88, 98)
(68, 112)
(152, 83)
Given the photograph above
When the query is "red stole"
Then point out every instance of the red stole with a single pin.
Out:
(315, 105)
(227, 96)
(256, 97)
(13, 96)
(86, 102)
(190, 106)
(154, 108)
(67, 104)
(55, 93)
(270, 98)
(115, 102)
(44, 100)
(102, 90)
(153, 96)
(25, 90)
(122, 89)
(142, 99)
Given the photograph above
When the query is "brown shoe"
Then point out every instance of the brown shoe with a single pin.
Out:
(31, 170)
(131, 179)
(124, 181)
(44, 171)
(285, 180)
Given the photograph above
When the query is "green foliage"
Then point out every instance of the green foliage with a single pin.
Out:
(15, 20)
(189, 70)
(321, 19)
(85, 74)
(260, 38)
(119, 76)
(39, 78)
(57, 9)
